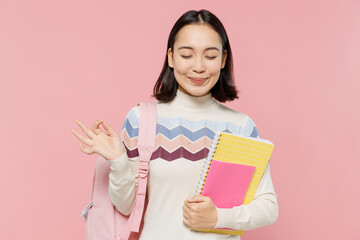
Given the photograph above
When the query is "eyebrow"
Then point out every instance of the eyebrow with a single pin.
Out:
(209, 48)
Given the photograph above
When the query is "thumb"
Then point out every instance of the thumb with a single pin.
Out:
(108, 128)
(197, 199)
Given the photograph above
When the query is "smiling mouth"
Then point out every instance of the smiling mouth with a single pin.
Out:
(198, 81)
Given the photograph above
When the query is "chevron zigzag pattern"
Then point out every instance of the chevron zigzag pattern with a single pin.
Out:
(179, 137)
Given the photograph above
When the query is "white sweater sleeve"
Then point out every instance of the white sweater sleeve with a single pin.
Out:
(123, 181)
(261, 211)
(123, 176)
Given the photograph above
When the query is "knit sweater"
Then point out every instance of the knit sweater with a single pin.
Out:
(185, 130)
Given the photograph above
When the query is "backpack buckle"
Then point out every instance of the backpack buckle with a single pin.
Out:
(143, 169)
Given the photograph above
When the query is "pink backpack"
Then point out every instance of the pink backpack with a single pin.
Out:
(102, 220)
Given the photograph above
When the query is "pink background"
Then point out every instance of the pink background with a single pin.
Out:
(297, 65)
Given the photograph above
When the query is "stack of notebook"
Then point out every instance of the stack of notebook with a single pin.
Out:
(232, 172)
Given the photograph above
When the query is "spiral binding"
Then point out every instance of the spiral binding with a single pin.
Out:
(207, 163)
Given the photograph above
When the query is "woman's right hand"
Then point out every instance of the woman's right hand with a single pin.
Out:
(107, 144)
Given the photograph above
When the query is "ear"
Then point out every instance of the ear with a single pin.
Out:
(170, 58)
(223, 61)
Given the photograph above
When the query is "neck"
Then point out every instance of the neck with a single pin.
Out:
(184, 101)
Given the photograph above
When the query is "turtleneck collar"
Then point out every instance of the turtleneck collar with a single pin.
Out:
(183, 101)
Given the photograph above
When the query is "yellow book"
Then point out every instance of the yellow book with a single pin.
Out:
(238, 149)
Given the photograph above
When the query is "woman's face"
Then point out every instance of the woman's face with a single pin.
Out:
(197, 59)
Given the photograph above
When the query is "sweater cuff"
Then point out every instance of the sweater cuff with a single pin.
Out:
(226, 219)
(120, 165)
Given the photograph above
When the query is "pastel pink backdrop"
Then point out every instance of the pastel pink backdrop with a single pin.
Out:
(296, 64)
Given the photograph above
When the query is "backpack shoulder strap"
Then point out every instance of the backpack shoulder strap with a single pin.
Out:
(147, 129)
(146, 146)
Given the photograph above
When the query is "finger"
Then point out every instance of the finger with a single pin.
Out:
(82, 138)
(198, 198)
(86, 130)
(187, 204)
(109, 129)
(192, 207)
(194, 200)
(186, 216)
(186, 222)
(85, 150)
(186, 209)
(96, 127)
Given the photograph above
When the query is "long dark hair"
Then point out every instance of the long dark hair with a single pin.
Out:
(224, 90)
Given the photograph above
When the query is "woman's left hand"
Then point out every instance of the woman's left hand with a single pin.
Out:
(199, 212)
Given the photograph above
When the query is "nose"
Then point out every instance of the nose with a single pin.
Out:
(198, 65)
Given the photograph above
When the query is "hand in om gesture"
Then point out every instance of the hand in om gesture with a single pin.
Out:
(106, 143)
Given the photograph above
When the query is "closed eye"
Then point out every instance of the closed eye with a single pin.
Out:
(190, 57)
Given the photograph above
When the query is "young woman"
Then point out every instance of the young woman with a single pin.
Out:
(196, 76)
